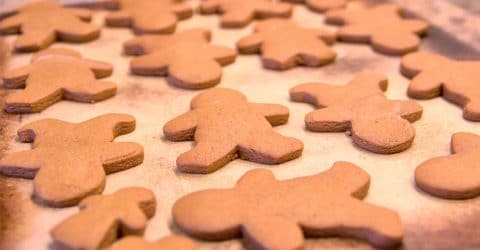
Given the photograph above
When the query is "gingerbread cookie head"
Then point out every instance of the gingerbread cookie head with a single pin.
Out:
(105, 218)
(148, 16)
(167, 243)
(42, 23)
(56, 74)
(283, 44)
(321, 5)
(376, 124)
(434, 75)
(456, 176)
(69, 161)
(382, 26)
(273, 214)
(186, 58)
(239, 13)
(225, 126)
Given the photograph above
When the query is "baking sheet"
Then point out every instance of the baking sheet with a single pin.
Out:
(430, 223)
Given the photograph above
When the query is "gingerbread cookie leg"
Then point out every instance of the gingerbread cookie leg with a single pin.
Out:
(198, 73)
(384, 233)
(398, 43)
(324, 5)
(374, 134)
(118, 156)
(472, 110)
(32, 99)
(150, 65)
(276, 9)
(11, 25)
(408, 110)
(237, 18)
(84, 14)
(425, 85)
(182, 10)
(250, 44)
(24, 164)
(262, 233)
(206, 157)
(327, 120)
(155, 23)
(279, 149)
(119, 18)
(81, 32)
(90, 91)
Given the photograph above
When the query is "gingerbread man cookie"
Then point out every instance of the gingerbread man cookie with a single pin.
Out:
(382, 26)
(434, 75)
(167, 243)
(56, 74)
(273, 214)
(376, 124)
(186, 57)
(225, 126)
(321, 5)
(456, 176)
(283, 44)
(148, 16)
(239, 13)
(105, 218)
(42, 23)
(69, 161)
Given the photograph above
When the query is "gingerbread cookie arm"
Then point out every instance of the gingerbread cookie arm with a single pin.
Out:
(209, 6)
(16, 78)
(195, 73)
(34, 39)
(111, 125)
(408, 110)
(119, 18)
(416, 62)
(347, 177)
(182, 128)
(326, 36)
(425, 85)
(464, 142)
(236, 18)
(80, 32)
(309, 93)
(399, 42)
(141, 45)
(272, 232)
(12, 24)
(167, 243)
(275, 114)
(250, 44)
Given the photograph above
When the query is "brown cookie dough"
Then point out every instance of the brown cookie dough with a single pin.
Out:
(434, 75)
(69, 161)
(382, 26)
(283, 45)
(186, 57)
(376, 124)
(56, 74)
(148, 16)
(239, 13)
(456, 176)
(167, 243)
(105, 218)
(42, 23)
(225, 126)
(321, 5)
(273, 214)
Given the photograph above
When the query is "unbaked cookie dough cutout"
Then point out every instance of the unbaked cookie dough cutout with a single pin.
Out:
(186, 58)
(148, 16)
(435, 75)
(239, 13)
(283, 44)
(103, 219)
(375, 123)
(273, 214)
(225, 126)
(55, 74)
(456, 176)
(69, 161)
(42, 23)
(382, 26)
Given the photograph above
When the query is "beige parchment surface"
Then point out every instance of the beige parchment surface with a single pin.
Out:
(430, 223)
